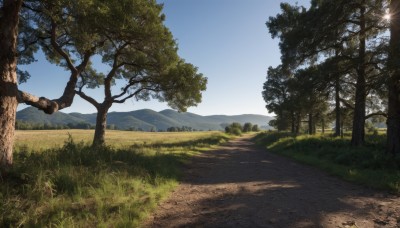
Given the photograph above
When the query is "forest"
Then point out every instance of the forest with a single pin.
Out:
(340, 63)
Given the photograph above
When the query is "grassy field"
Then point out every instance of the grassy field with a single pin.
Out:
(58, 180)
(367, 165)
(39, 140)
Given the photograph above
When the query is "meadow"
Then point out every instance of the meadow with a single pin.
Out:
(367, 165)
(59, 180)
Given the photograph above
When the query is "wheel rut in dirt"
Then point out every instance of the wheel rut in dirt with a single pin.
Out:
(240, 185)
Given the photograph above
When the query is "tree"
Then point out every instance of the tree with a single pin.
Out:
(309, 87)
(255, 128)
(343, 27)
(276, 95)
(234, 129)
(9, 19)
(142, 57)
(393, 120)
(68, 34)
(247, 127)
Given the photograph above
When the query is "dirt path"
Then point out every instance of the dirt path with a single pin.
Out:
(240, 185)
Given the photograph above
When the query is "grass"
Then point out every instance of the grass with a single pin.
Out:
(40, 140)
(367, 165)
(57, 182)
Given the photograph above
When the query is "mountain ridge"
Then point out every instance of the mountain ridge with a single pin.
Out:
(144, 119)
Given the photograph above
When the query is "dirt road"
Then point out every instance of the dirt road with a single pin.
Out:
(240, 185)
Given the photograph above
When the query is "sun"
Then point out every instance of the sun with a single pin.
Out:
(387, 17)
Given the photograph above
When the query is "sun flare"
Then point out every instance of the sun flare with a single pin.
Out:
(387, 17)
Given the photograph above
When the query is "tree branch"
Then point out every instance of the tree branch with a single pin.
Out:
(380, 113)
(59, 49)
(346, 103)
(136, 93)
(45, 104)
(88, 98)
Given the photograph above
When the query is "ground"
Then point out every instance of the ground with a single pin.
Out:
(241, 185)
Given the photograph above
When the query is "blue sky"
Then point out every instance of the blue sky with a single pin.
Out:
(226, 39)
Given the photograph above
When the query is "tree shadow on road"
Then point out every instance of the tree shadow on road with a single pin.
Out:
(244, 186)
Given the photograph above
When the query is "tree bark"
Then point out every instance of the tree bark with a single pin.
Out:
(358, 133)
(342, 126)
(101, 125)
(298, 123)
(393, 120)
(52, 106)
(293, 128)
(8, 82)
(310, 124)
(337, 107)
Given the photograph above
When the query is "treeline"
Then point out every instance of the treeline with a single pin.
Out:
(238, 129)
(181, 129)
(26, 125)
(340, 65)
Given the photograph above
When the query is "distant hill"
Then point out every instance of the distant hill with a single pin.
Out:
(144, 119)
(33, 115)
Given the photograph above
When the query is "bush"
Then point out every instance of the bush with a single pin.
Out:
(234, 129)
(247, 127)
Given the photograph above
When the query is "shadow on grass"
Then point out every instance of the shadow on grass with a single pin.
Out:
(84, 186)
(368, 165)
(203, 142)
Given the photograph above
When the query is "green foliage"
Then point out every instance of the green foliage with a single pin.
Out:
(247, 127)
(141, 53)
(366, 165)
(180, 129)
(82, 186)
(182, 86)
(22, 125)
(255, 128)
(323, 59)
(234, 129)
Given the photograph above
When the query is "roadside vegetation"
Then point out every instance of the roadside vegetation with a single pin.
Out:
(367, 165)
(237, 129)
(62, 181)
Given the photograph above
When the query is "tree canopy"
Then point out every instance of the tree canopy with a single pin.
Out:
(128, 35)
(335, 53)
(142, 58)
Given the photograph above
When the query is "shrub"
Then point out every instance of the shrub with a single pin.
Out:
(234, 129)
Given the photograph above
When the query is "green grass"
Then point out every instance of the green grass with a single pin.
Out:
(76, 185)
(39, 140)
(367, 165)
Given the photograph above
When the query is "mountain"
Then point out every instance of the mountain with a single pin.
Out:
(144, 119)
(33, 115)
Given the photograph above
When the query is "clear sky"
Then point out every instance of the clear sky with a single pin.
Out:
(226, 39)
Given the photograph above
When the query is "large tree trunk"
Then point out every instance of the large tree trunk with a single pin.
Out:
(293, 128)
(8, 82)
(337, 107)
(310, 124)
(393, 120)
(342, 126)
(298, 123)
(101, 125)
(358, 133)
